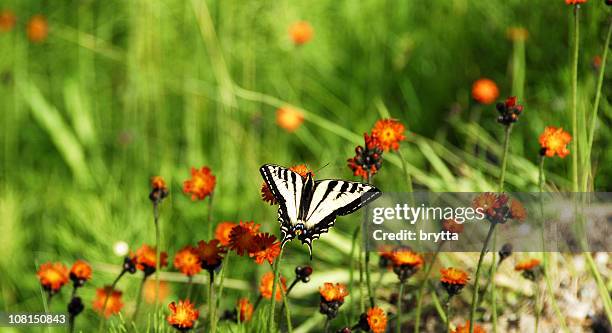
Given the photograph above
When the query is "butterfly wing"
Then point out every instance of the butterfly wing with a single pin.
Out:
(286, 186)
(332, 198)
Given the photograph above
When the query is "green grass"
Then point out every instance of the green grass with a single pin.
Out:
(124, 90)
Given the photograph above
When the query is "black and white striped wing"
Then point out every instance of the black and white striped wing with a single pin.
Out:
(286, 186)
(332, 198)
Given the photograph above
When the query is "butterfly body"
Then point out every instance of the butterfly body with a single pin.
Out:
(308, 208)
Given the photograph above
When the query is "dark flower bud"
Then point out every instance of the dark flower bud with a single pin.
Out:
(344, 330)
(303, 273)
(129, 265)
(75, 306)
(505, 252)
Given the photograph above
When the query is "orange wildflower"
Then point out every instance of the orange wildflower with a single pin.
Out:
(223, 232)
(466, 328)
(517, 210)
(158, 183)
(453, 280)
(159, 190)
(149, 291)
(389, 132)
(289, 118)
(80, 273)
(574, 2)
(527, 265)
(452, 226)
(182, 315)
(7, 20)
(333, 292)
(201, 184)
(489, 202)
(187, 261)
(37, 29)
(377, 320)
(113, 305)
(266, 248)
(554, 141)
(405, 263)
(211, 254)
(146, 259)
(245, 309)
(386, 253)
(242, 237)
(52, 276)
(485, 91)
(368, 159)
(266, 194)
(266, 284)
(301, 32)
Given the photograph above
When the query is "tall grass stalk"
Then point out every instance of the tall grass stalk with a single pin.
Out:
(287, 311)
(157, 254)
(139, 298)
(477, 277)
(398, 328)
(366, 250)
(211, 303)
(574, 106)
(352, 266)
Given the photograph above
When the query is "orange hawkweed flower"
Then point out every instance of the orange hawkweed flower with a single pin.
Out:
(406, 263)
(201, 184)
(52, 276)
(453, 280)
(386, 253)
(159, 190)
(187, 261)
(211, 254)
(452, 226)
(182, 315)
(368, 159)
(7, 20)
(288, 118)
(80, 273)
(554, 141)
(146, 259)
(333, 292)
(389, 132)
(517, 210)
(266, 284)
(574, 2)
(489, 202)
(113, 305)
(149, 291)
(266, 248)
(37, 29)
(377, 320)
(485, 91)
(301, 32)
(527, 265)
(223, 232)
(245, 309)
(466, 328)
(242, 237)
(266, 194)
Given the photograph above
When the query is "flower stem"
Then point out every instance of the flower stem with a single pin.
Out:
(536, 304)
(112, 287)
(277, 265)
(366, 250)
(287, 311)
(209, 217)
(222, 278)
(448, 313)
(574, 107)
(502, 175)
(157, 255)
(326, 325)
(419, 306)
(189, 287)
(139, 299)
(398, 328)
(477, 277)
(211, 302)
(352, 266)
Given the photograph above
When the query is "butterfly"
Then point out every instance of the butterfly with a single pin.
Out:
(308, 208)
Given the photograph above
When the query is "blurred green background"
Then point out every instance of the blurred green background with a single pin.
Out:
(120, 91)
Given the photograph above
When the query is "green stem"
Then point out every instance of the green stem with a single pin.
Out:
(502, 175)
(574, 107)
(352, 266)
(211, 302)
(367, 252)
(326, 325)
(600, 78)
(408, 176)
(209, 217)
(113, 285)
(189, 287)
(287, 312)
(493, 290)
(222, 278)
(139, 299)
(398, 328)
(537, 305)
(277, 265)
(419, 306)
(448, 313)
(603, 290)
(477, 277)
(157, 255)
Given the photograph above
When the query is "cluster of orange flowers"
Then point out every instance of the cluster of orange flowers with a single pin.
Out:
(386, 135)
(498, 208)
(37, 27)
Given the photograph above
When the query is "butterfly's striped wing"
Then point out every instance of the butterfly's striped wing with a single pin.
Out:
(332, 198)
(286, 186)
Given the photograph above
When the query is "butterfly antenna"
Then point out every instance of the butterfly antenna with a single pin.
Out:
(321, 168)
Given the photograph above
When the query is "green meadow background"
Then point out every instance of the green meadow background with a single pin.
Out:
(124, 90)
